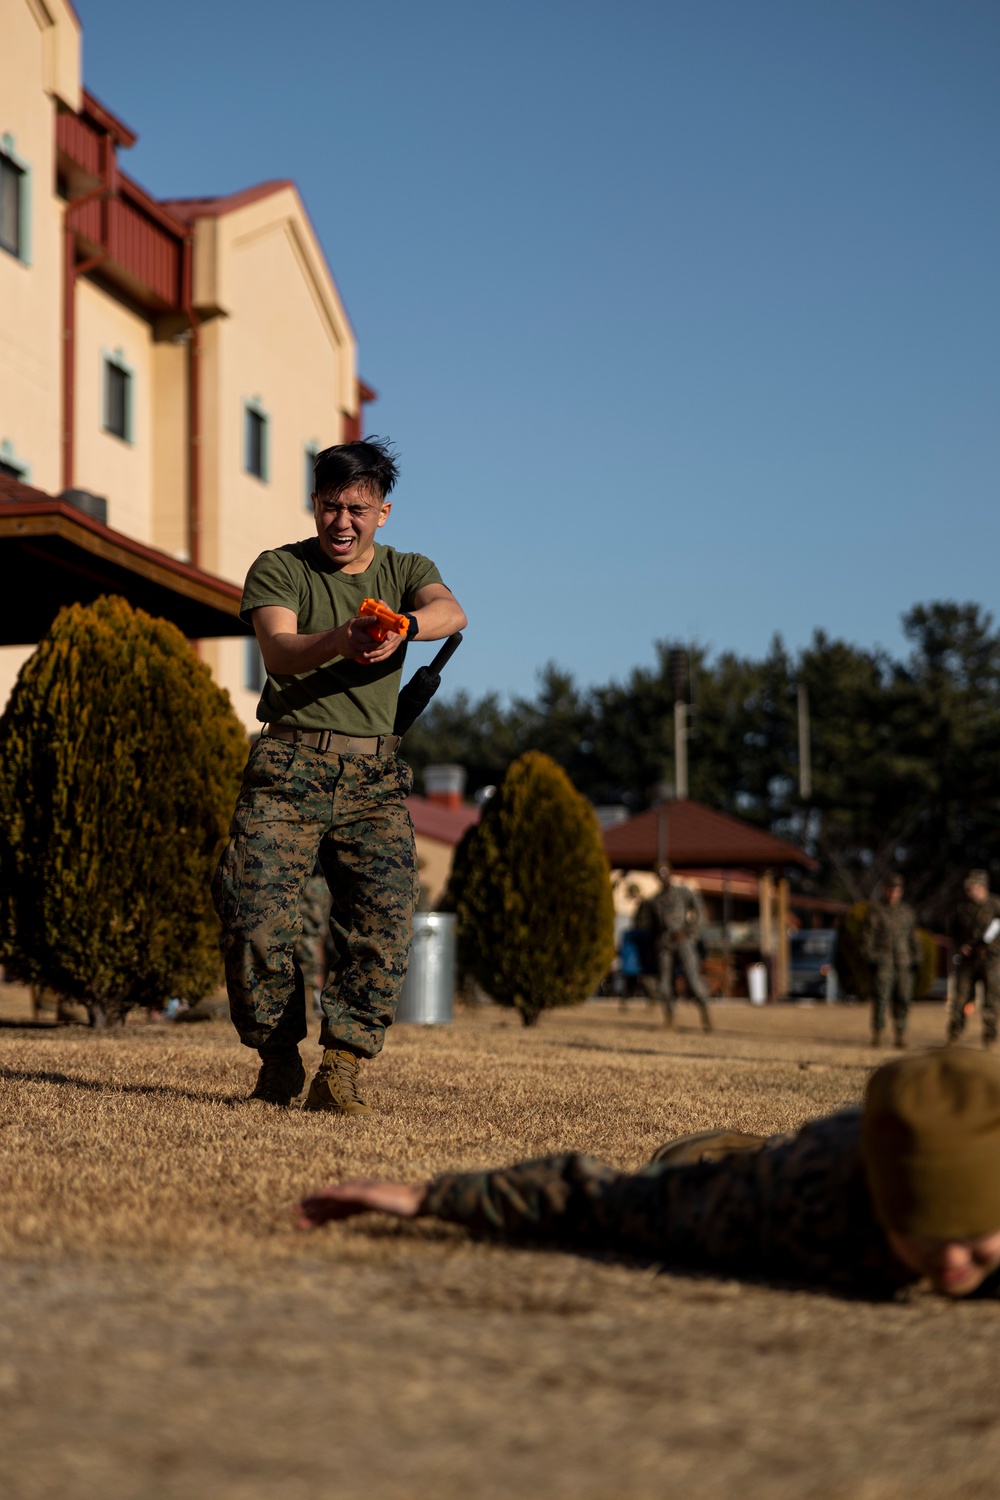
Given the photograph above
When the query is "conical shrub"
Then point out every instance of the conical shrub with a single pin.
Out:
(120, 764)
(532, 893)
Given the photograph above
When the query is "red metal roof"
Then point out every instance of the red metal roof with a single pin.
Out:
(189, 209)
(446, 824)
(696, 836)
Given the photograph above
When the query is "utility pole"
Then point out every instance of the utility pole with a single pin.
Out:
(805, 750)
(680, 749)
(679, 672)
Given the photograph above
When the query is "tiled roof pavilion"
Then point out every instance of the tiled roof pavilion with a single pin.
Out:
(697, 837)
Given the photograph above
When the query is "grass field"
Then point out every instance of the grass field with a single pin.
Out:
(166, 1335)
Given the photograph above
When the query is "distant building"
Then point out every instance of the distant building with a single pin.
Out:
(737, 869)
(181, 361)
(441, 820)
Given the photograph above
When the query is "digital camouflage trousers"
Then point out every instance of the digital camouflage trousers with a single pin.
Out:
(892, 989)
(969, 972)
(662, 987)
(297, 806)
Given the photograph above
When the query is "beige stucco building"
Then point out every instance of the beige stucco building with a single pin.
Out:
(180, 361)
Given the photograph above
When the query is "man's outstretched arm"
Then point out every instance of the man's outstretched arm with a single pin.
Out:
(361, 1195)
(570, 1199)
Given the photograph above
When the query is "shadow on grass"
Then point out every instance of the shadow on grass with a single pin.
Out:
(8, 1025)
(700, 1284)
(714, 1057)
(860, 1043)
(153, 1090)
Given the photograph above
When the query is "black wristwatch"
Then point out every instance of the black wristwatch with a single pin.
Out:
(411, 633)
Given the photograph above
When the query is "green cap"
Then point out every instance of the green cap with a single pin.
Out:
(930, 1139)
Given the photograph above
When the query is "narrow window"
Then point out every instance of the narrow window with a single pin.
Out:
(11, 466)
(309, 476)
(253, 666)
(117, 400)
(11, 202)
(255, 442)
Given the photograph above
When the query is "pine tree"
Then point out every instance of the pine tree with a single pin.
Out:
(532, 892)
(121, 762)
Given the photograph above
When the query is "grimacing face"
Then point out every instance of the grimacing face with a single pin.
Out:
(346, 525)
(954, 1267)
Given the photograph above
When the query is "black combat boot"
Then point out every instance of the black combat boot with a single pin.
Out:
(282, 1078)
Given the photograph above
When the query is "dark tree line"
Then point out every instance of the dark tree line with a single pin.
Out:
(905, 753)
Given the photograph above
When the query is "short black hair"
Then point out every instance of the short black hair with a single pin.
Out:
(369, 462)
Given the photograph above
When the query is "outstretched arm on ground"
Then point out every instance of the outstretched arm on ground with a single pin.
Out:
(361, 1195)
(570, 1199)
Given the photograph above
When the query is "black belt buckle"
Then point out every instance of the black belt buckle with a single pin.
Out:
(323, 743)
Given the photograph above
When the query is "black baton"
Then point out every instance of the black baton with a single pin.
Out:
(422, 686)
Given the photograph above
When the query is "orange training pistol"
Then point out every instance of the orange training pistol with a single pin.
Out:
(383, 619)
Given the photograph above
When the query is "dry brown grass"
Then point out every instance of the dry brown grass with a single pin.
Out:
(164, 1333)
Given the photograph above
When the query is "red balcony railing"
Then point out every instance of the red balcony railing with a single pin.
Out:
(129, 226)
(80, 142)
(144, 249)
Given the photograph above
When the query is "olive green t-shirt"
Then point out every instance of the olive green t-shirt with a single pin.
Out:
(342, 695)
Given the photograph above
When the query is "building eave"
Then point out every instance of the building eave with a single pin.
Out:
(107, 120)
(52, 555)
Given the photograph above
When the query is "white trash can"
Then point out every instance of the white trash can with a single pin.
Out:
(428, 993)
(757, 984)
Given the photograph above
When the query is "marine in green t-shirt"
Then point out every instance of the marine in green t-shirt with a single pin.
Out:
(322, 783)
(347, 696)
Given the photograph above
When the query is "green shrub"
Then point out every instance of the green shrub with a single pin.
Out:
(853, 969)
(532, 892)
(926, 973)
(120, 767)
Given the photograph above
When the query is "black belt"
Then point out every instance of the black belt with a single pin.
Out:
(328, 739)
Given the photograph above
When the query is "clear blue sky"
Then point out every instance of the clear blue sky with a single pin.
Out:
(683, 313)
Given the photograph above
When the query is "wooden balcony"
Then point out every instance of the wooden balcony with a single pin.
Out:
(141, 242)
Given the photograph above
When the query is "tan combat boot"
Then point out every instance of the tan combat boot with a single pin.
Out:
(281, 1080)
(335, 1085)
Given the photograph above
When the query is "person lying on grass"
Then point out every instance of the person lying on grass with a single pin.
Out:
(870, 1201)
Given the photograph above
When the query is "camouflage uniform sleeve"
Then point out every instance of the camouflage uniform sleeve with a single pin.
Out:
(797, 1209)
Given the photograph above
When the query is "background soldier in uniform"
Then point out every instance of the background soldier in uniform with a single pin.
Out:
(673, 916)
(869, 1202)
(975, 931)
(312, 951)
(892, 948)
